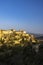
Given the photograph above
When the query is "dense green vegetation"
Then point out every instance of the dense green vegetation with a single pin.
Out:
(18, 55)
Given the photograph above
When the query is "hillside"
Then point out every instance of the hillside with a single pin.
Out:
(19, 48)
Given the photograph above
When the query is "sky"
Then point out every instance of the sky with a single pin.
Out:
(22, 14)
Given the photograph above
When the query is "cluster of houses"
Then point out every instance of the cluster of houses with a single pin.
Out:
(16, 37)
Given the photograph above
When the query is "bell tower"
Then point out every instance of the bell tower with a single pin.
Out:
(1, 33)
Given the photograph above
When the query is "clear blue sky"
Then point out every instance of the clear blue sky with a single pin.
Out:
(22, 14)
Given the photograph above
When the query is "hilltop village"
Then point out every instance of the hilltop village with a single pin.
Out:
(13, 37)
